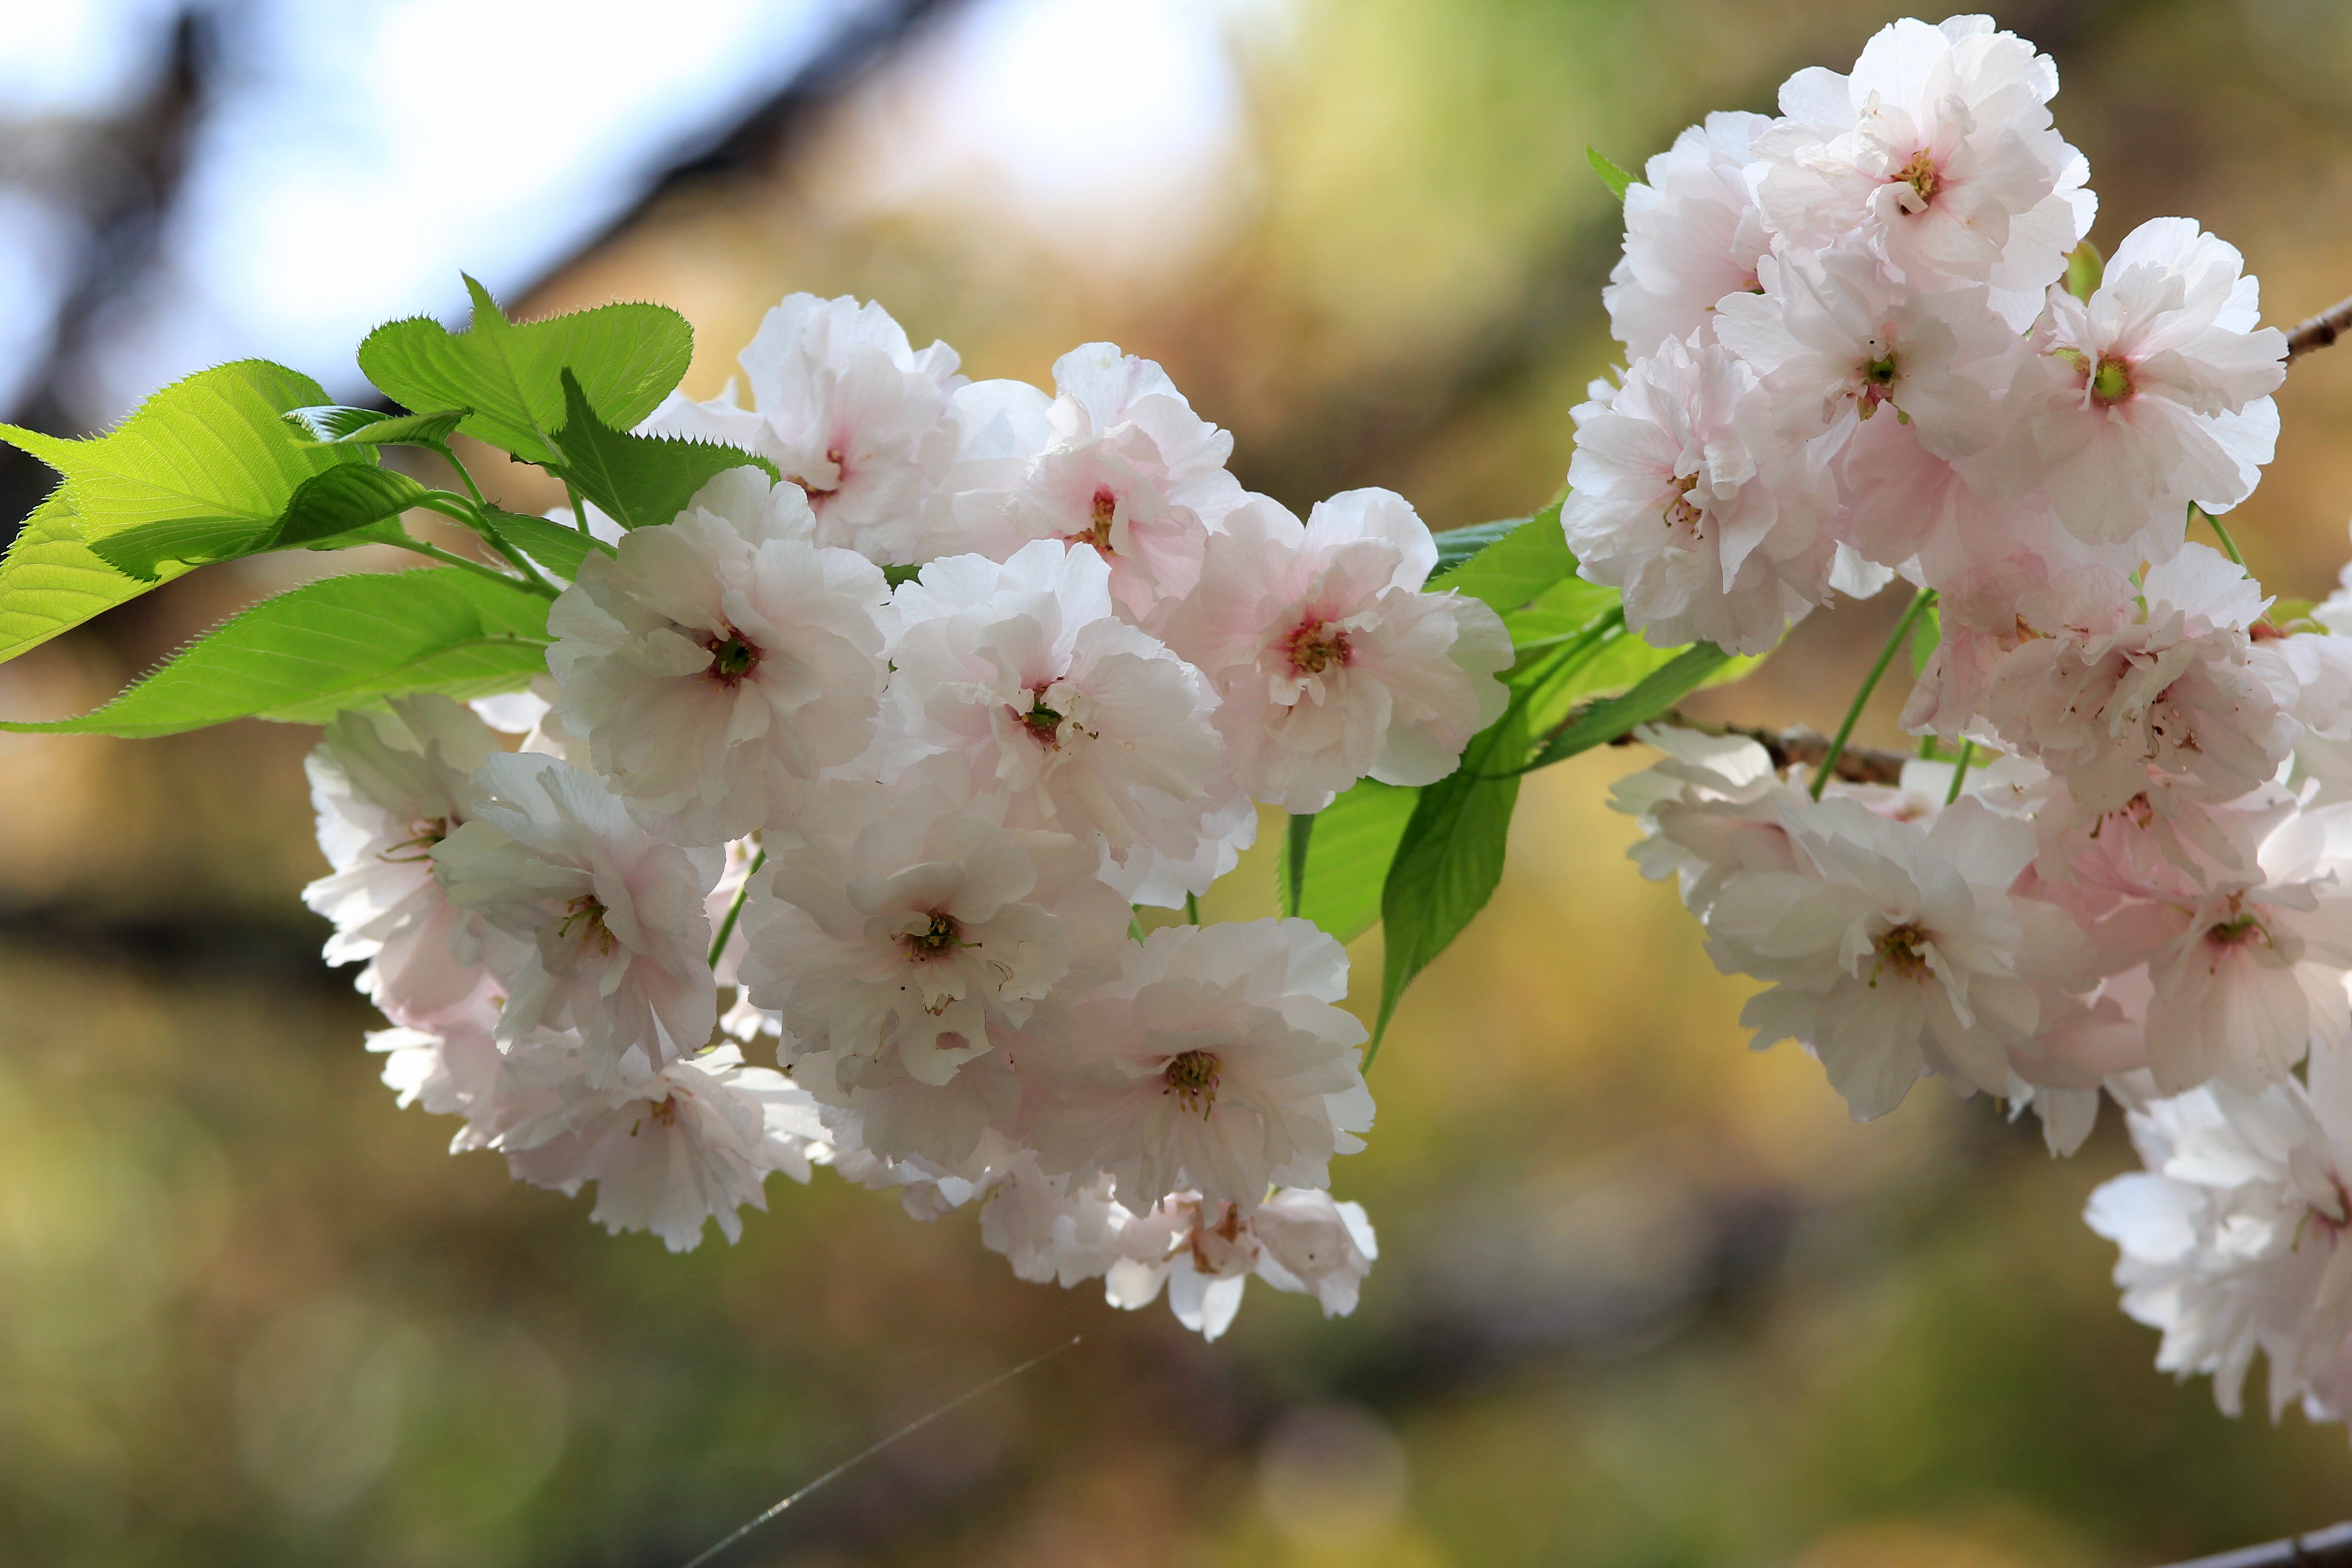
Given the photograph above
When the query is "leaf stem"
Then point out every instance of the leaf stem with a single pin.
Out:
(735, 910)
(579, 507)
(542, 587)
(1193, 908)
(1960, 771)
(455, 508)
(449, 456)
(1925, 598)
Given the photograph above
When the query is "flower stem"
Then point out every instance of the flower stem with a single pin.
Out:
(2229, 545)
(1960, 771)
(735, 910)
(1927, 596)
(542, 587)
(449, 456)
(579, 507)
(1193, 908)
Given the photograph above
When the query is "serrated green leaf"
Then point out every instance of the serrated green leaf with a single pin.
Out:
(51, 581)
(2084, 269)
(639, 481)
(1518, 566)
(1618, 180)
(1448, 859)
(205, 463)
(334, 426)
(333, 511)
(628, 357)
(894, 575)
(1348, 858)
(1650, 697)
(344, 642)
(1565, 609)
(554, 547)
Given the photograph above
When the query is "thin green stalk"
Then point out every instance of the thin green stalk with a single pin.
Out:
(449, 456)
(1927, 596)
(455, 508)
(579, 507)
(542, 587)
(2229, 545)
(1960, 771)
(1192, 908)
(735, 910)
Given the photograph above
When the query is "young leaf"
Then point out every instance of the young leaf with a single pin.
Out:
(1456, 545)
(1651, 697)
(1449, 859)
(337, 427)
(343, 642)
(1347, 859)
(554, 547)
(1517, 566)
(333, 511)
(51, 581)
(639, 481)
(209, 454)
(628, 357)
(1616, 179)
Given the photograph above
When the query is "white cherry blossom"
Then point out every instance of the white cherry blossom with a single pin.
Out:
(719, 663)
(1333, 663)
(1692, 237)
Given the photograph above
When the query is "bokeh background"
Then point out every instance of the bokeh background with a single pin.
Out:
(1645, 1298)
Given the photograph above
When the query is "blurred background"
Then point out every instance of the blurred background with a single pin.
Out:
(1644, 1298)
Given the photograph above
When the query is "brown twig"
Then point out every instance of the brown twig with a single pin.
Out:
(1855, 764)
(2320, 331)
(2329, 1548)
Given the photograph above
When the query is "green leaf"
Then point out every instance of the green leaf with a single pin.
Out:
(1518, 566)
(1298, 833)
(1456, 545)
(628, 357)
(2085, 268)
(1449, 859)
(554, 547)
(1650, 697)
(51, 581)
(332, 426)
(333, 511)
(205, 467)
(894, 575)
(344, 642)
(640, 482)
(1346, 863)
(1616, 179)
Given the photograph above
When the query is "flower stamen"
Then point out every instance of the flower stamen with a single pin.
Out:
(1191, 1076)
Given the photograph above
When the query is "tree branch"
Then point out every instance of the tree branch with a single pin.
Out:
(2329, 1548)
(2320, 331)
(1855, 764)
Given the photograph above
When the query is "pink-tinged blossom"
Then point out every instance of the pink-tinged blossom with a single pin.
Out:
(2234, 1239)
(846, 409)
(1218, 1060)
(1693, 236)
(2116, 691)
(1298, 1240)
(1333, 663)
(908, 921)
(612, 934)
(719, 663)
(2152, 394)
(1938, 155)
(388, 788)
(1021, 672)
(1897, 952)
(694, 1144)
(1685, 495)
(1709, 811)
(1050, 1228)
(1126, 470)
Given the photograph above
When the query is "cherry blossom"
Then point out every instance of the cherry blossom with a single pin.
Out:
(1693, 236)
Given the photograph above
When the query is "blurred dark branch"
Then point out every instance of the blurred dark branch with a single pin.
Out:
(1855, 764)
(125, 187)
(2329, 1548)
(2320, 331)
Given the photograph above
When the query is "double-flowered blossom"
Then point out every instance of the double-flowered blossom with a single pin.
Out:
(897, 827)
(1332, 663)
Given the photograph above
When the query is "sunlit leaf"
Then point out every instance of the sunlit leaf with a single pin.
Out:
(1353, 842)
(345, 642)
(335, 425)
(639, 481)
(627, 357)
(51, 581)
(1649, 698)
(1618, 180)
(555, 547)
(1517, 566)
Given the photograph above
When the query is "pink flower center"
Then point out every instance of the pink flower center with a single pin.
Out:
(1904, 951)
(1191, 1076)
(1316, 646)
(832, 454)
(732, 657)
(1679, 513)
(2243, 928)
(587, 913)
(1043, 724)
(1098, 530)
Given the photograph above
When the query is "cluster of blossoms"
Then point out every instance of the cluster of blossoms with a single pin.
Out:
(1854, 356)
(767, 802)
